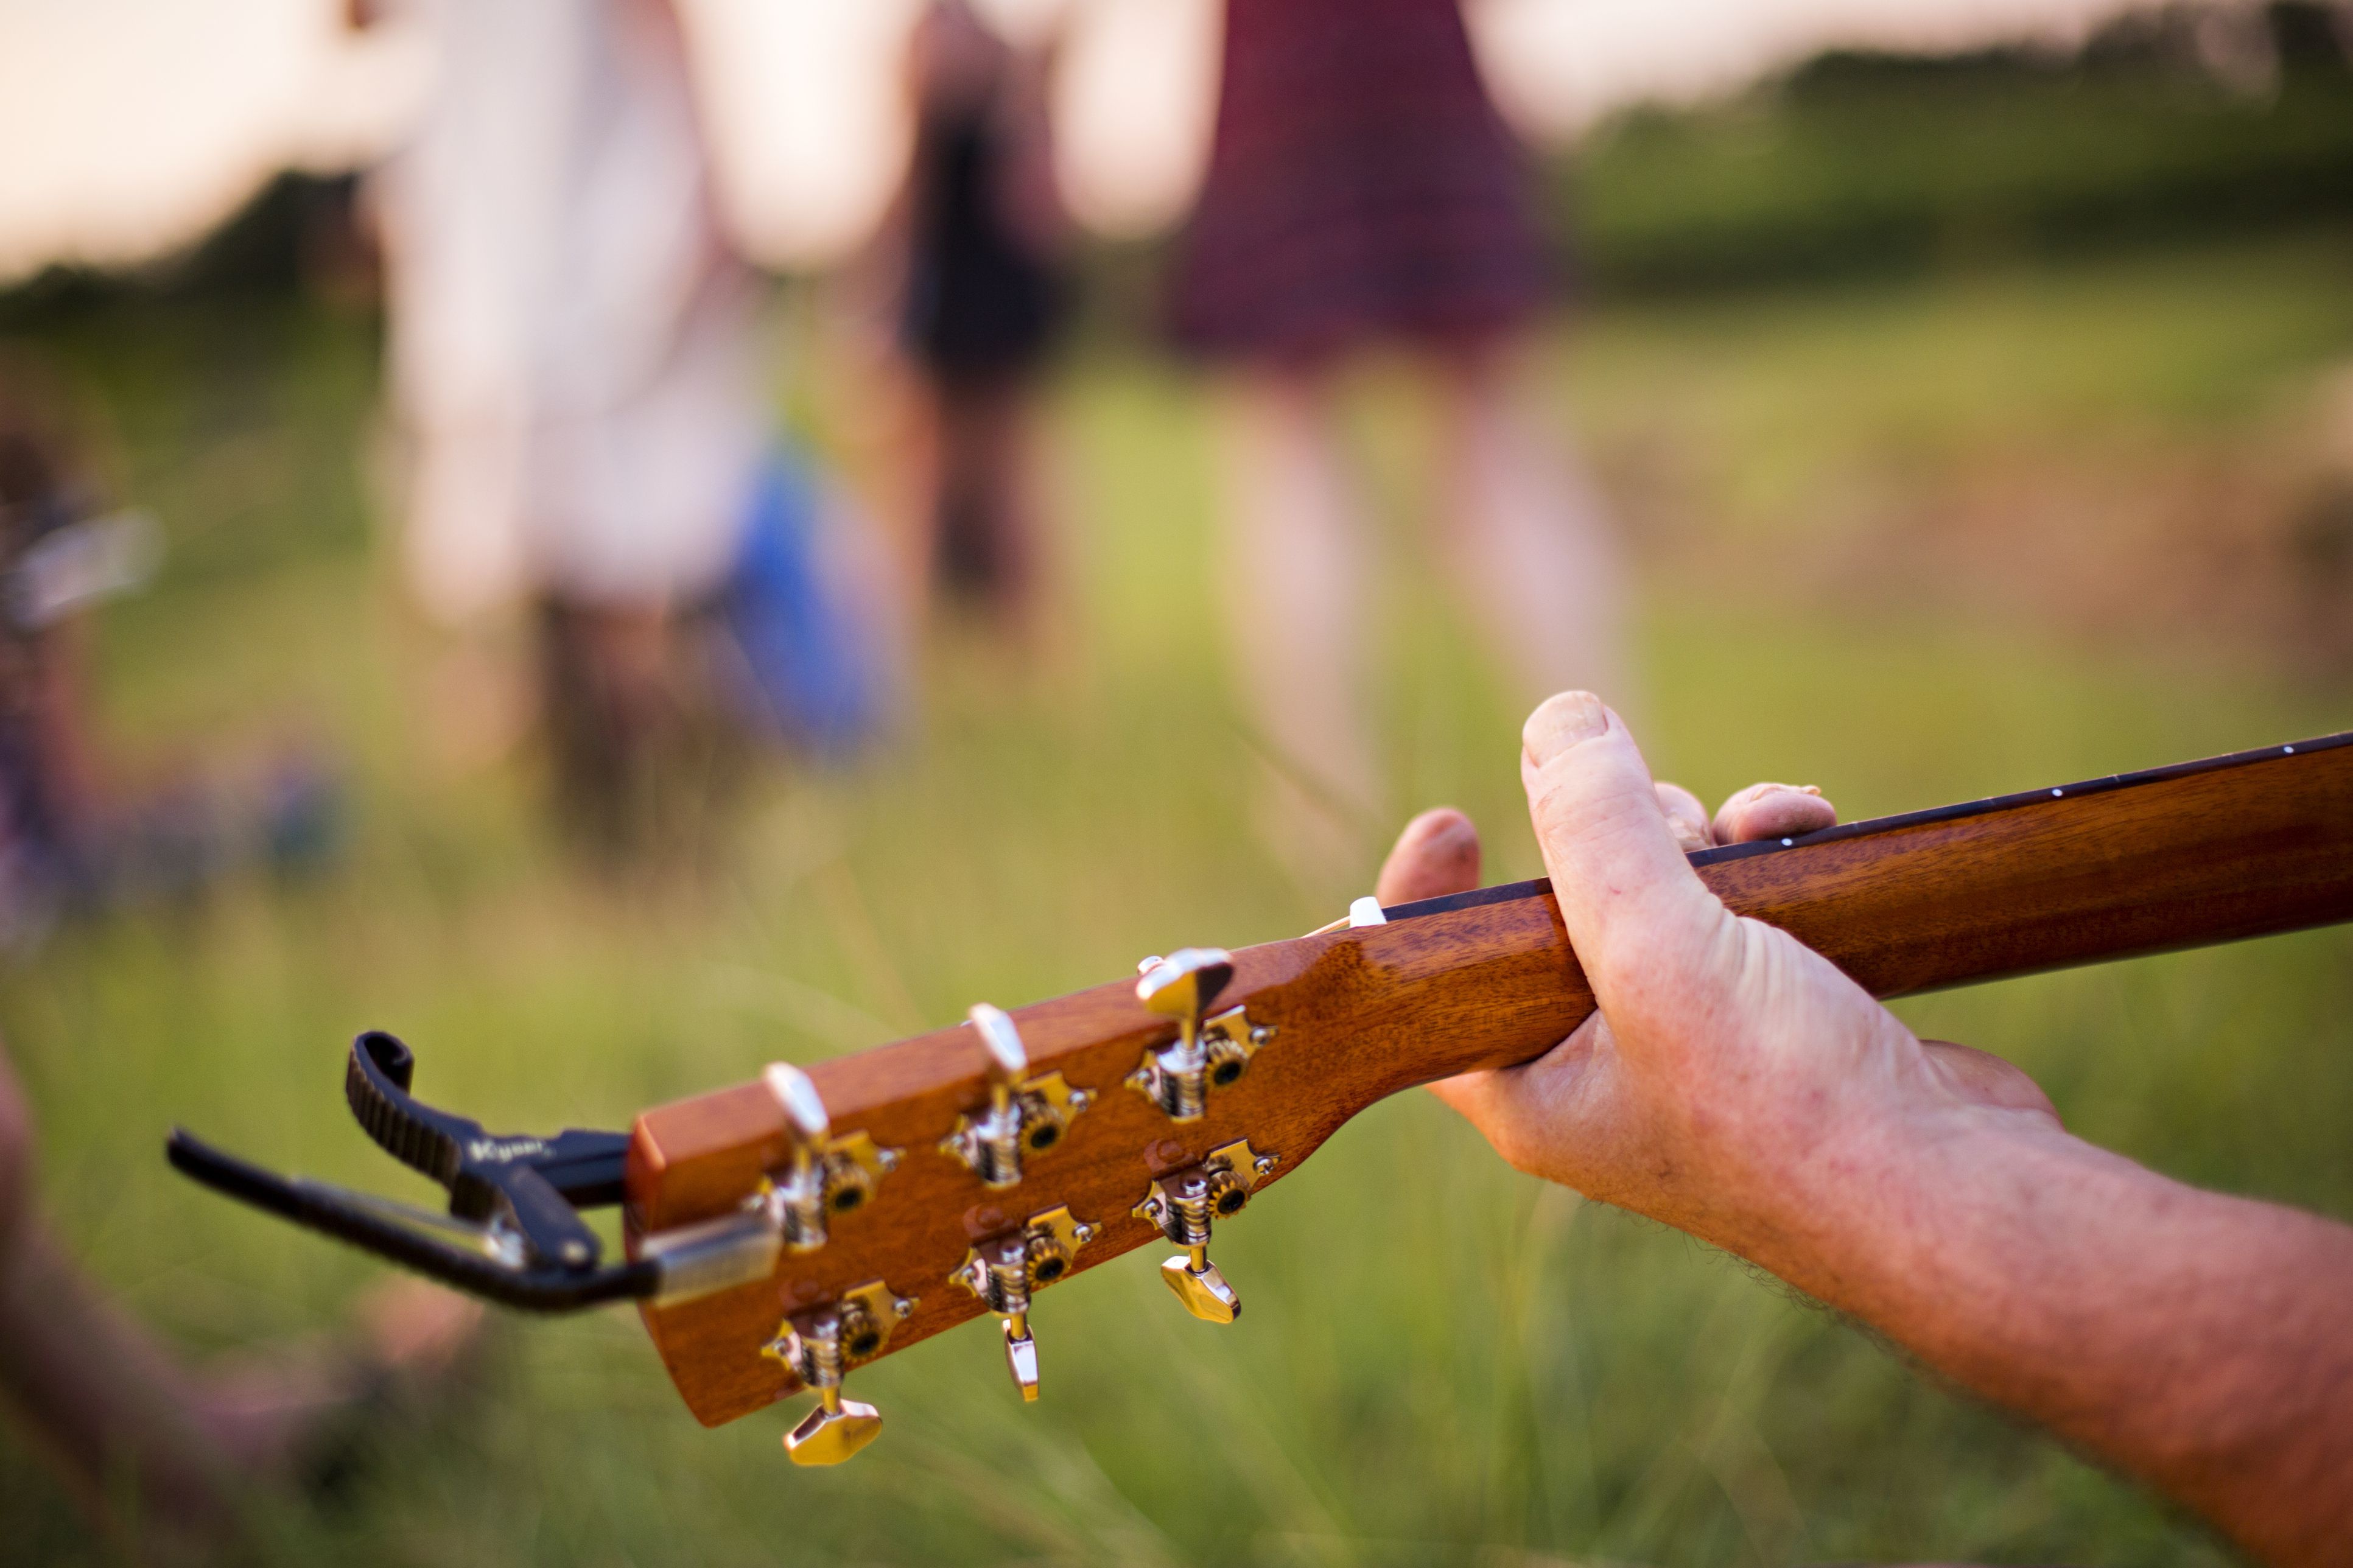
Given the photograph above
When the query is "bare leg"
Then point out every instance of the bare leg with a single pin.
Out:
(989, 541)
(1295, 589)
(893, 426)
(1530, 536)
(612, 698)
(115, 1412)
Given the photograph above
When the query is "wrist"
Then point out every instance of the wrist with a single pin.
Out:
(1861, 1200)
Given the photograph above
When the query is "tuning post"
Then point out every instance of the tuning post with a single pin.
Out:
(1211, 1050)
(1027, 1113)
(1184, 1205)
(828, 1175)
(1007, 1269)
(818, 1347)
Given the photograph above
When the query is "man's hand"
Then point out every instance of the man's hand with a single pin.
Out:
(1735, 1084)
(1730, 1071)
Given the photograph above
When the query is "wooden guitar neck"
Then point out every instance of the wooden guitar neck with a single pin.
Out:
(1326, 1025)
(2204, 852)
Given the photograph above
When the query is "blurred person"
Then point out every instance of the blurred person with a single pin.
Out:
(76, 833)
(1363, 192)
(575, 360)
(981, 237)
(1735, 1084)
(150, 1447)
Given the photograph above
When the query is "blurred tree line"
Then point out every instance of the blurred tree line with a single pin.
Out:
(2173, 124)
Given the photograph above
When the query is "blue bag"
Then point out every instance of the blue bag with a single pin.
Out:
(812, 661)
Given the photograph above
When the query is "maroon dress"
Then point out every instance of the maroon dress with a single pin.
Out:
(1361, 187)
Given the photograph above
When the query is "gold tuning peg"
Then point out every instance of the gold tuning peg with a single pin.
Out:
(1027, 1112)
(1201, 1285)
(1021, 1359)
(818, 1347)
(832, 1432)
(1009, 1059)
(828, 1174)
(1005, 1270)
(1184, 1205)
(1211, 1049)
(1184, 985)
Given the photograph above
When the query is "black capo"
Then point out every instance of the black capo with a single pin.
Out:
(517, 1201)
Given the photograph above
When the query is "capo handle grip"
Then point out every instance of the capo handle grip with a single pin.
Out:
(321, 1208)
(377, 1083)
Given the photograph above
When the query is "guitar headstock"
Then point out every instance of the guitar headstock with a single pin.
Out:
(875, 1200)
(851, 1210)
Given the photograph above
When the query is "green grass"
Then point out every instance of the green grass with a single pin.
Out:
(1443, 1362)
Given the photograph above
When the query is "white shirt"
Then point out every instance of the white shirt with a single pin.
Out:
(574, 350)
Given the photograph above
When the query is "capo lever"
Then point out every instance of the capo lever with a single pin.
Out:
(514, 1201)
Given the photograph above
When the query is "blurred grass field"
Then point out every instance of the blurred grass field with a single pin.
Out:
(1468, 1369)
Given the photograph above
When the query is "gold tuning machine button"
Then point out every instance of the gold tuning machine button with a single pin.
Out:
(1027, 1113)
(1184, 1205)
(1007, 1269)
(830, 1175)
(1212, 1049)
(818, 1347)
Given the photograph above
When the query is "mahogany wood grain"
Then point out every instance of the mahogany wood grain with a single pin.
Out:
(2211, 852)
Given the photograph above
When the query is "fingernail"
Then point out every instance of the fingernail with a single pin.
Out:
(1685, 816)
(1561, 722)
(1452, 832)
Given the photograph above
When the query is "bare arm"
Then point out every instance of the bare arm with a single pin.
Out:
(2201, 1342)
(1737, 1086)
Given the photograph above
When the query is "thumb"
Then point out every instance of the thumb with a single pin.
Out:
(1627, 895)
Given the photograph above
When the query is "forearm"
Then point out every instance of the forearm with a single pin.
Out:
(2203, 1342)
